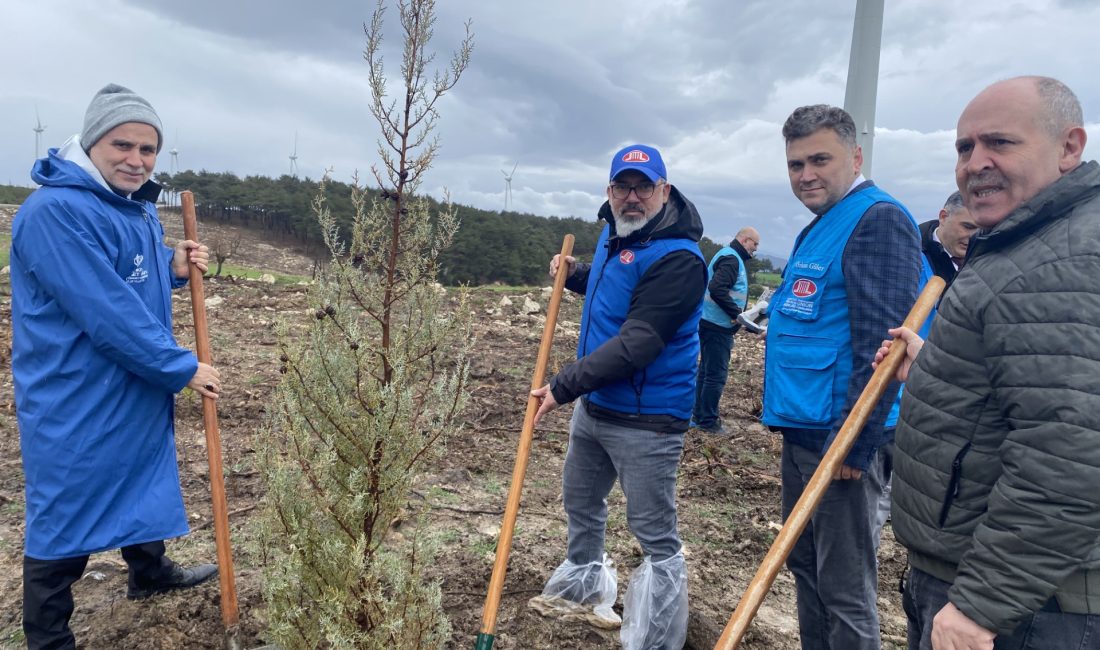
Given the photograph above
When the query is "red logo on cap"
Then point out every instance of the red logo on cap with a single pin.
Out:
(635, 155)
(626, 257)
(804, 288)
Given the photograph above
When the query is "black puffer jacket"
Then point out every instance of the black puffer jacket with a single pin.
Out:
(997, 470)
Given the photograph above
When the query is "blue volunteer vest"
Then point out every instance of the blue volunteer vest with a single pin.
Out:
(666, 386)
(925, 274)
(808, 357)
(739, 292)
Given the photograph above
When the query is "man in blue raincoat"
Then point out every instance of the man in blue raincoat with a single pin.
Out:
(96, 366)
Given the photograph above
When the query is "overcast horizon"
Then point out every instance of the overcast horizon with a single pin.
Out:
(554, 87)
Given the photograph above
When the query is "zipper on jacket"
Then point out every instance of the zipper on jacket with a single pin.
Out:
(953, 483)
(638, 388)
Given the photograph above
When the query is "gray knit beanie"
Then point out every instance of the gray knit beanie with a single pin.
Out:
(116, 105)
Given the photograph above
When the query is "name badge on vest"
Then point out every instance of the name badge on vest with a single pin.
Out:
(804, 289)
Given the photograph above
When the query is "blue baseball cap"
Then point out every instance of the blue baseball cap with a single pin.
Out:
(639, 157)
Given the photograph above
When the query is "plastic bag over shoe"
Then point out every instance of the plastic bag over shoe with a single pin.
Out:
(593, 586)
(655, 608)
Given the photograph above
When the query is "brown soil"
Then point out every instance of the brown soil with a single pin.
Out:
(728, 488)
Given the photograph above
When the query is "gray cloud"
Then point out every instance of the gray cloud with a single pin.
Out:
(555, 86)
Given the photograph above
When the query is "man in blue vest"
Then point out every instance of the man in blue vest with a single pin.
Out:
(727, 294)
(635, 380)
(96, 366)
(853, 274)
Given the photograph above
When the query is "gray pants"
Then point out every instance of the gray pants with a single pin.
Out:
(645, 462)
(1047, 629)
(833, 561)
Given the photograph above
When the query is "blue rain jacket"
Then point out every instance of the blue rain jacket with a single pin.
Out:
(95, 367)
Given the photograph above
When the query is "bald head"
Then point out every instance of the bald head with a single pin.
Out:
(1061, 108)
(1014, 139)
(749, 239)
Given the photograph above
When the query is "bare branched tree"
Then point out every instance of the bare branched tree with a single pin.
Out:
(222, 248)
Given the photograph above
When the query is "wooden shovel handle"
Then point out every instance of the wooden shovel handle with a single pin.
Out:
(504, 544)
(819, 483)
(230, 614)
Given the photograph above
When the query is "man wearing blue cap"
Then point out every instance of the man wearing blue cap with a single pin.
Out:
(96, 366)
(635, 380)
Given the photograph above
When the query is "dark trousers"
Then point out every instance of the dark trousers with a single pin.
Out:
(834, 560)
(48, 595)
(714, 363)
(1047, 629)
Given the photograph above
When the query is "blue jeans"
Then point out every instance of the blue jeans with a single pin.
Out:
(644, 462)
(833, 561)
(714, 364)
(1048, 629)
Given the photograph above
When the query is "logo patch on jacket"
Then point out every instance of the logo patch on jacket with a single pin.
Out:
(139, 274)
(804, 288)
(626, 257)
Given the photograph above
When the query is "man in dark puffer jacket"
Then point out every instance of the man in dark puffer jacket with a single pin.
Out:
(998, 449)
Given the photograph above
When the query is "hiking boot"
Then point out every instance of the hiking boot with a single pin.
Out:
(177, 577)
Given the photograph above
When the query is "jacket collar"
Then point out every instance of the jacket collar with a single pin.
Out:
(740, 250)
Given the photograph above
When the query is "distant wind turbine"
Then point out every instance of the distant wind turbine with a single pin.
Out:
(174, 168)
(294, 157)
(38, 129)
(508, 186)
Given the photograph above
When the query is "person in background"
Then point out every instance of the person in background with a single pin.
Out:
(944, 240)
(725, 299)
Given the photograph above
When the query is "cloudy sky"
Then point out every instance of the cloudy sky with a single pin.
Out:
(555, 86)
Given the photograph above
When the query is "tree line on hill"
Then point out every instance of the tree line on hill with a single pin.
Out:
(490, 246)
(13, 194)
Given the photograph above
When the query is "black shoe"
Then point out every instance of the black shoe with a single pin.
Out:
(716, 430)
(175, 578)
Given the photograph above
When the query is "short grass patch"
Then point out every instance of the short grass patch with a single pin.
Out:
(254, 274)
(768, 279)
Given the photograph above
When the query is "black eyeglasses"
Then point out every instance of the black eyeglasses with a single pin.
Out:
(643, 190)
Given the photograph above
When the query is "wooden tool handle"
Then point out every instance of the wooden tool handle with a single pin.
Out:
(819, 483)
(504, 544)
(230, 614)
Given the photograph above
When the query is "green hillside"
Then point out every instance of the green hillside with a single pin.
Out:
(490, 247)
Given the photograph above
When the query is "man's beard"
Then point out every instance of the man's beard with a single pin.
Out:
(625, 226)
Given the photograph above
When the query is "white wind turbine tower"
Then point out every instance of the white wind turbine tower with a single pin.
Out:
(38, 129)
(508, 185)
(174, 168)
(294, 157)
